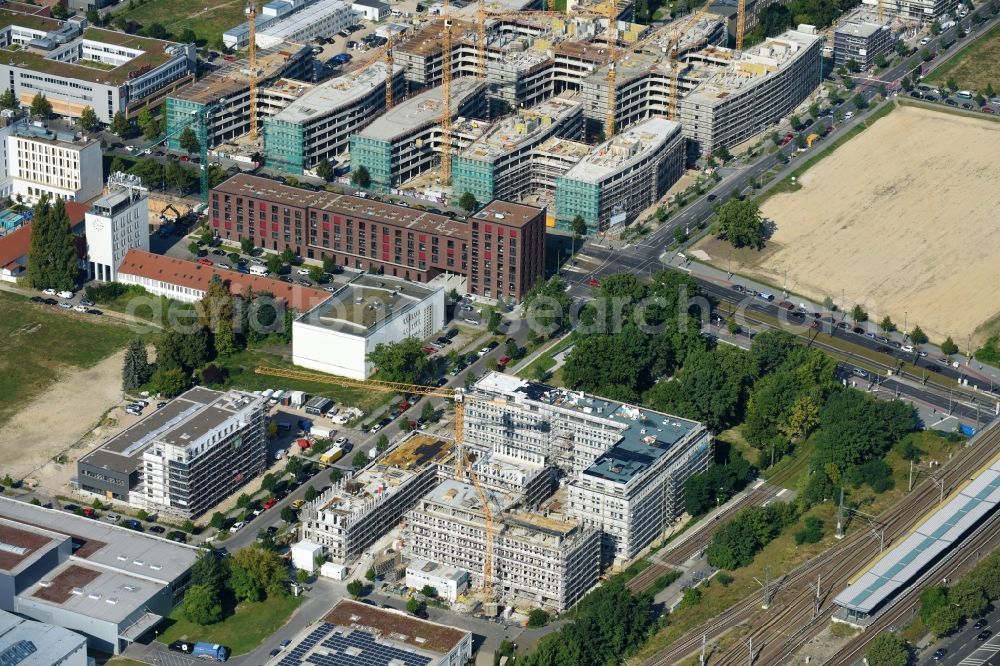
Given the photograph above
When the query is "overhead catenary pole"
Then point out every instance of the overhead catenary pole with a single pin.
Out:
(840, 517)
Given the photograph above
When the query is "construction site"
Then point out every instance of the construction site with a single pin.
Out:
(470, 98)
(539, 491)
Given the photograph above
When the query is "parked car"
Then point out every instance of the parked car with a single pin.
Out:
(237, 526)
(297, 504)
(72, 508)
(65, 306)
(157, 529)
(112, 517)
(49, 292)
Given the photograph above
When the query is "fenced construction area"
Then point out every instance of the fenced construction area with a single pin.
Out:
(901, 219)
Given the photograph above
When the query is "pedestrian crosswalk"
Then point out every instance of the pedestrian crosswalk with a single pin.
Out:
(983, 655)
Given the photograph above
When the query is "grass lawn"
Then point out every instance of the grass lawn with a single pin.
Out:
(208, 18)
(241, 632)
(975, 65)
(40, 340)
(240, 374)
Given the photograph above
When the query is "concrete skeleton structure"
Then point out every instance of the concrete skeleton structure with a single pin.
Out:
(108, 583)
(405, 141)
(185, 458)
(319, 124)
(861, 37)
(338, 335)
(626, 466)
(499, 250)
(356, 512)
(76, 66)
(283, 75)
(919, 10)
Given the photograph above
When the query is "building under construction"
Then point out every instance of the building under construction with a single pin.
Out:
(405, 141)
(319, 124)
(624, 466)
(356, 512)
(505, 161)
(861, 36)
(622, 177)
(545, 558)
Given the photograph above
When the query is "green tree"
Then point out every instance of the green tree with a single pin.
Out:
(211, 568)
(888, 649)
(288, 514)
(917, 336)
(60, 10)
(859, 101)
(429, 591)
(858, 314)
(812, 532)
(537, 618)
(156, 31)
(194, 248)
(359, 460)
(335, 475)
(428, 413)
(188, 526)
(948, 347)
(88, 119)
(152, 130)
(370, 574)
(119, 22)
(356, 588)
(579, 226)
(880, 60)
(989, 92)
(117, 165)
(741, 223)
(887, 325)
(149, 171)
(246, 245)
(188, 140)
(802, 420)
(93, 16)
(361, 178)
(256, 574)
(120, 126)
(218, 520)
(795, 122)
(413, 605)
(382, 443)
(936, 27)
(225, 339)
(187, 36)
(852, 66)
(52, 261)
(40, 106)
(311, 494)
(317, 274)
(274, 263)
(170, 382)
(8, 100)
(402, 361)
(201, 605)
(136, 369)
(722, 154)
(468, 201)
(144, 118)
(324, 169)
(288, 255)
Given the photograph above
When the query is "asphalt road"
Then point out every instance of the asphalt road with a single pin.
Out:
(964, 649)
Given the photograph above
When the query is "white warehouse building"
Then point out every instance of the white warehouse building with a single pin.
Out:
(337, 335)
(321, 19)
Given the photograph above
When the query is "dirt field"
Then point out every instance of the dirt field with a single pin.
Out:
(903, 219)
(976, 66)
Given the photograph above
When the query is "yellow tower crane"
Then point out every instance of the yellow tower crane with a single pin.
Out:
(481, 40)
(741, 17)
(388, 74)
(672, 54)
(446, 104)
(252, 16)
(462, 467)
(609, 121)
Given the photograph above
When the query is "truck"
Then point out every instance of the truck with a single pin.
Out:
(210, 652)
(332, 456)
(322, 431)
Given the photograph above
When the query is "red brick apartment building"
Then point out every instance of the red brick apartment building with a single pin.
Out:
(500, 249)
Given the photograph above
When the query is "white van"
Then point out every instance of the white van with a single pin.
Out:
(259, 270)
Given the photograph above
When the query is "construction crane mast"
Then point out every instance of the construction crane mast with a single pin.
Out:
(481, 41)
(675, 47)
(446, 104)
(462, 467)
(609, 121)
(252, 16)
(389, 63)
(741, 17)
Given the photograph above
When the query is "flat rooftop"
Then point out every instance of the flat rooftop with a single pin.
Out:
(394, 626)
(365, 304)
(96, 592)
(20, 545)
(335, 94)
(422, 110)
(233, 77)
(393, 470)
(624, 149)
(291, 25)
(564, 148)
(344, 204)
(182, 420)
(51, 644)
(525, 127)
(507, 213)
(31, 131)
(154, 51)
(939, 531)
(104, 546)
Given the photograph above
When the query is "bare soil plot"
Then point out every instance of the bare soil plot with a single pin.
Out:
(901, 219)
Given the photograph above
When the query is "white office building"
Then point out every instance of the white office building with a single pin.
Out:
(116, 223)
(322, 19)
(337, 335)
(448, 582)
(42, 162)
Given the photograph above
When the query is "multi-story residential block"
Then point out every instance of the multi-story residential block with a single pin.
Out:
(541, 560)
(59, 165)
(625, 465)
(116, 223)
(319, 124)
(338, 335)
(919, 10)
(78, 67)
(356, 512)
(185, 458)
(406, 140)
(622, 177)
(861, 37)
(394, 240)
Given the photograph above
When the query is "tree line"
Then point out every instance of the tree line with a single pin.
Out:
(944, 609)
(52, 261)
(218, 583)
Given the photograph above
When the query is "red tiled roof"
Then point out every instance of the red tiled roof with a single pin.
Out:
(16, 244)
(197, 276)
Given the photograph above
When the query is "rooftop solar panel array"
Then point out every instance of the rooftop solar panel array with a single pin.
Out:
(939, 531)
(328, 645)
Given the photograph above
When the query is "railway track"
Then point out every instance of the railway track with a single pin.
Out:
(666, 560)
(790, 620)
